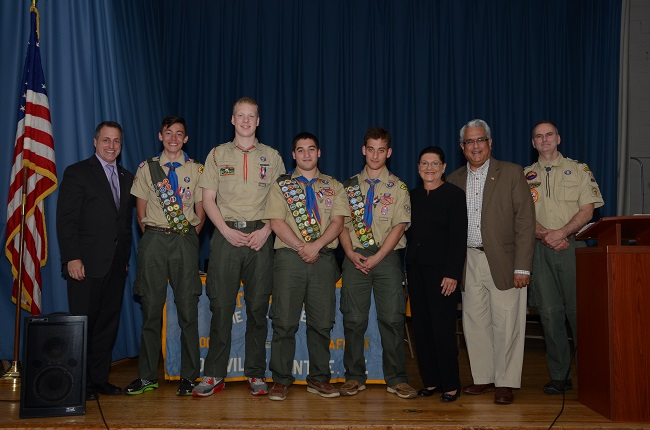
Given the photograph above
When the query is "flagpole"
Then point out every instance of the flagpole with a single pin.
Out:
(14, 371)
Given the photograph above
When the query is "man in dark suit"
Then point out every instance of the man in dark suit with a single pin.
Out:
(93, 222)
(500, 244)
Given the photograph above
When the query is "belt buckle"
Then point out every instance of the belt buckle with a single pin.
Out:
(167, 230)
(240, 224)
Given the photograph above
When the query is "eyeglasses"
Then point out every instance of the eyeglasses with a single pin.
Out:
(425, 164)
(478, 142)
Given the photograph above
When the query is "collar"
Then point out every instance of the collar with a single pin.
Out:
(481, 170)
(553, 163)
(384, 175)
(104, 163)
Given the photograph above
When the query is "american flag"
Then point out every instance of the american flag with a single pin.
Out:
(34, 151)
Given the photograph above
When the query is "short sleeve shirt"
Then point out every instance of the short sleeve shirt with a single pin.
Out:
(330, 199)
(392, 207)
(242, 179)
(559, 189)
(188, 178)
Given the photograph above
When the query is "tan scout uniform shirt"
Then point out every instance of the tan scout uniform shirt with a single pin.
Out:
(329, 196)
(188, 178)
(392, 208)
(241, 189)
(570, 184)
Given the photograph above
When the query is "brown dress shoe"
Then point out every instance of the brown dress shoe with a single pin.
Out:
(504, 396)
(478, 388)
(278, 392)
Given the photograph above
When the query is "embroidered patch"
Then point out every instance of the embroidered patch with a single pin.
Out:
(201, 168)
(261, 184)
(384, 210)
(535, 195)
(595, 192)
(407, 208)
(328, 202)
(531, 175)
(142, 164)
(390, 184)
(567, 172)
(534, 184)
(227, 171)
(383, 218)
(263, 171)
(186, 179)
(586, 168)
(386, 199)
(404, 187)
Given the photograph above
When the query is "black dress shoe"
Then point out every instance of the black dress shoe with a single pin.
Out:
(448, 398)
(90, 394)
(427, 392)
(107, 388)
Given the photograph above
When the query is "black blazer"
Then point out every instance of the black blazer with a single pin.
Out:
(89, 226)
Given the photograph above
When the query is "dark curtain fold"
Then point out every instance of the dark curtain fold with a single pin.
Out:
(420, 68)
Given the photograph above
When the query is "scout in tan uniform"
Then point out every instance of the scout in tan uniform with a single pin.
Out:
(379, 213)
(306, 211)
(565, 193)
(236, 182)
(170, 214)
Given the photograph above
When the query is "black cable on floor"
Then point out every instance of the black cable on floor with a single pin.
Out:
(566, 380)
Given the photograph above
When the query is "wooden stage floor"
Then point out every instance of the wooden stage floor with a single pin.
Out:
(372, 409)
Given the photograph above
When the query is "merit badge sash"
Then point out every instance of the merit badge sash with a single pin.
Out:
(297, 202)
(173, 212)
(356, 201)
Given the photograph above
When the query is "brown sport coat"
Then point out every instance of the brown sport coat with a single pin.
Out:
(507, 220)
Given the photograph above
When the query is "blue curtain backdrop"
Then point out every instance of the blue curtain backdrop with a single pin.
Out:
(420, 68)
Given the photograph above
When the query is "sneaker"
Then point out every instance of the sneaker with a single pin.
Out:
(208, 386)
(403, 390)
(258, 386)
(278, 392)
(185, 388)
(140, 386)
(351, 387)
(322, 388)
(557, 387)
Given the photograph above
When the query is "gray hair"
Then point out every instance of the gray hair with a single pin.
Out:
(476, 123)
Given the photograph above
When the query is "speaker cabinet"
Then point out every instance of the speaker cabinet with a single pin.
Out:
(53, 381)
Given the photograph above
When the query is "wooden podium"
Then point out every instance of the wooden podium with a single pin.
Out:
(613, 300)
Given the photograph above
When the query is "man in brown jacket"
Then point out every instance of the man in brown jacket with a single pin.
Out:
(500, 244)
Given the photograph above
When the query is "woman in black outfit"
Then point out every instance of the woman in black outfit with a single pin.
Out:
(435, 257)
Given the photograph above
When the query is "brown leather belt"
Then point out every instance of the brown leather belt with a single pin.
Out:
(480, 248)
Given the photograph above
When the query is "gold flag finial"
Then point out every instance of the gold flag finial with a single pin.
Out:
(33, 9)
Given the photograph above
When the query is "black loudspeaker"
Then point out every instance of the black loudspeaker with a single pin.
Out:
(53, 380)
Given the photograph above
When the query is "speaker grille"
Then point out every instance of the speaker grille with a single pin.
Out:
(54, 373)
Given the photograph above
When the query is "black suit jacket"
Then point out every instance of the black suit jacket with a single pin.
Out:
(89, 226)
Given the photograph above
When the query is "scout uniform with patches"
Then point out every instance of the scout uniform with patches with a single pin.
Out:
(242, 178)
(390, 206)
(558, 189)
(168, 252)
(295, 281)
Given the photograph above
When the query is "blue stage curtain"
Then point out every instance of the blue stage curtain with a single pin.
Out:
(420, 68)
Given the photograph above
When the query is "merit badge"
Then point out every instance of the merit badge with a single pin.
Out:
(531, 175)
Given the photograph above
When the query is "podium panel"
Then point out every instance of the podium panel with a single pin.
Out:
(613, 295)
